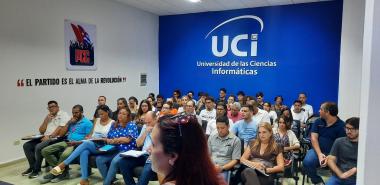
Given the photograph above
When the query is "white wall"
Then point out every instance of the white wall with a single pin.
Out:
(32, 46)
(369, 148)
(351, 59)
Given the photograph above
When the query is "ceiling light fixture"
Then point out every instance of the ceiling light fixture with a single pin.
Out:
(195, 1)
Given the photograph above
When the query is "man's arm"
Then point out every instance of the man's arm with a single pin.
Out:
(317, 149)
(144, 132)
(44, 124)
(230, 164)
(331, 162)
(236, 153)
(65, 128)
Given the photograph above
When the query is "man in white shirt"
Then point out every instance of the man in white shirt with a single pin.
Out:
(190, 110)
(209, 113)
(299, 117)
(49, 128)
(221, 110)
(308, 108)
(258, 115)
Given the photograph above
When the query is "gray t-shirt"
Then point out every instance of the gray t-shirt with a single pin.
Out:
(223, 150)
(346, 153)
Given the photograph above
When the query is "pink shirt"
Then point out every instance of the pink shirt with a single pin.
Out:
(234, 118)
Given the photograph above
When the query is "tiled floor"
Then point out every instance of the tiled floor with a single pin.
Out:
(12, 174)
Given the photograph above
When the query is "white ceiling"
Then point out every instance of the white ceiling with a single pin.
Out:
(170, 7)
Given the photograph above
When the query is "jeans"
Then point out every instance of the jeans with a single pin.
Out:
(310, 164)
(334, 180)
(102, 162)
(32, 150)
(60, 149)
(83, 150)
(127, 164)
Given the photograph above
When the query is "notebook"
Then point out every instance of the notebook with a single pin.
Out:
(133, 153)
(258, 170)
(106, 148)
(37, 136)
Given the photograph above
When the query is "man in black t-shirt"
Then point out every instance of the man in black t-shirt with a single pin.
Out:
(343, 155)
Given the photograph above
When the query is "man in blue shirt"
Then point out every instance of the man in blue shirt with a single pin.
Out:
(77, 129)
(324, 131)
(246, 128)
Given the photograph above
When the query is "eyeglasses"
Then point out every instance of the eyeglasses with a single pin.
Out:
(52, 106)
(350, 129)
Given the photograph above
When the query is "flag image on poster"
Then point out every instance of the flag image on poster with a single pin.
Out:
(80, 44)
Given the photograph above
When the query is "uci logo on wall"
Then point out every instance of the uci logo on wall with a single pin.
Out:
(279, 50)
(235, 54)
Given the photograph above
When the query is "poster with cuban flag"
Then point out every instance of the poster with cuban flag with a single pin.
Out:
(80, 46)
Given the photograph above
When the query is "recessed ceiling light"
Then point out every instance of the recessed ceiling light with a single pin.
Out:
(195, 1)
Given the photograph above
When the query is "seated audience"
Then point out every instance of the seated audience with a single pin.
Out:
(160, 101)
(324, 131)
(222, 96)
(241, 97)
(127, 164)
(102, 100)
(121, 104)
(179, 153)
(50, 127)
(264, 154)
(151, 102)
(299, 117)
(167, 109)
(99, 133)
(176, 98)
(209, 113)
(77, 129)
(133, 105)
(258, 115)
(272, 114)
(221, 110)
(260, 100)
(230, 101)
(201, 103)
(190, 110)
(286, 138)
(190, 94)
(246, 128)
(278, 105)
(123, 136)
(224, 147)
(234, 112)
(344, 155)
(144, 107)
(184, 100)
(286, 112)
(306, 107)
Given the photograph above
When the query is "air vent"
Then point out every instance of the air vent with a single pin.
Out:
(143, 81)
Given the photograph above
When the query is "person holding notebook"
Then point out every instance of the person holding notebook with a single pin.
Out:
(263, 157)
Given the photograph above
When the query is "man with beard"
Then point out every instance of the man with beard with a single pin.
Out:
(344, 154)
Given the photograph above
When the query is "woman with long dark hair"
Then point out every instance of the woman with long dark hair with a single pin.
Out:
(286, 138)
(144, 107)
(179, 152)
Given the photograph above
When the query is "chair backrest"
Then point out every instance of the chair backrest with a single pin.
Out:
(204, 125)
(309, 122)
